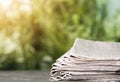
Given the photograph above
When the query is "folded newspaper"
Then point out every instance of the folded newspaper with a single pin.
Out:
(88, 60)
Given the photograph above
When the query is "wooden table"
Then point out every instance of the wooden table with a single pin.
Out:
(24, 76)
(30, 76)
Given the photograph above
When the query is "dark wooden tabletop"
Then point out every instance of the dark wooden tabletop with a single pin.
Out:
(30, 76)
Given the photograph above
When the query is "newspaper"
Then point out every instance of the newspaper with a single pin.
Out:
(88, 60)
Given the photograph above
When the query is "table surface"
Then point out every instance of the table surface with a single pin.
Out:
(25, 76)
(29, 76)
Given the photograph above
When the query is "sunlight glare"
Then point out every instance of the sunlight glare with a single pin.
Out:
(10, 8)
(5, 3)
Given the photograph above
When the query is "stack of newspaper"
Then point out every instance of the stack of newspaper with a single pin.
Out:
(88, 60)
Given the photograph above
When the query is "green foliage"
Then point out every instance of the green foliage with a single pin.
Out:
(34, 40)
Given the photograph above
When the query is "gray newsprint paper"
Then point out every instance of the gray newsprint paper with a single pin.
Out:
(88, 60)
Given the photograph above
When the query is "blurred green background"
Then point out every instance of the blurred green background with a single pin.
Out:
(34, 33)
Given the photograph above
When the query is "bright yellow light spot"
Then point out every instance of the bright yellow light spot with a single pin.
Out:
(5, 3)
(11, 8)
